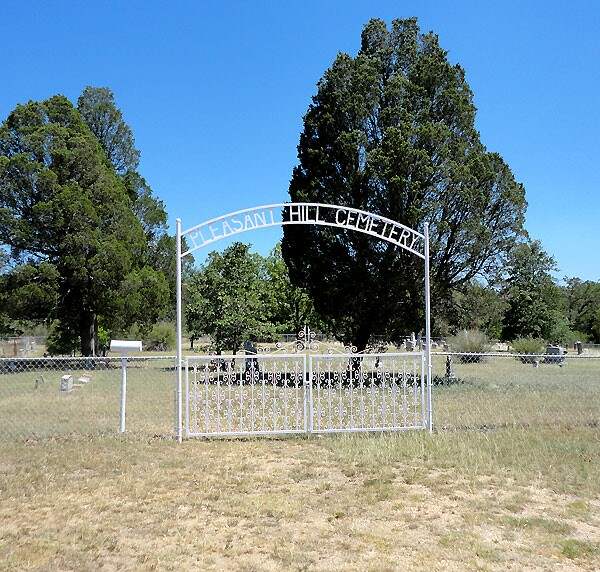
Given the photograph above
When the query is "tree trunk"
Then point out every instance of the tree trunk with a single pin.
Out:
(361, 339)
(87, 334)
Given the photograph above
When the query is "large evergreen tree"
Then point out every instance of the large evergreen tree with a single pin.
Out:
(392, 131)
(66, 217)
(100, 112)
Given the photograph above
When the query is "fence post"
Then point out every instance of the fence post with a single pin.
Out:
(428, 331)
(187, 396)
(123, 393)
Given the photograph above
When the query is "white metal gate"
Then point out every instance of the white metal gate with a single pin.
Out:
(234, 413)
(276, 394)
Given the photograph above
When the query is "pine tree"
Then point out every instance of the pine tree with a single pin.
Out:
(392, 131)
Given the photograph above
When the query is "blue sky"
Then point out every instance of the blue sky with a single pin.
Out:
(215, 93)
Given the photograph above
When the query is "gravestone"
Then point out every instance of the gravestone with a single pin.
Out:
(449, 370)
(66, 384)
(554, 354)
(39, 381)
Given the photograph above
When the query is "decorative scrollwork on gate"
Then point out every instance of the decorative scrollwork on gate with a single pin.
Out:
(293, 393)
(251, 394)
(373, 392)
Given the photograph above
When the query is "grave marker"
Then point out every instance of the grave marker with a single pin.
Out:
(66, 384)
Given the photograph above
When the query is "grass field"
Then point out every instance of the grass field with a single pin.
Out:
(502, 391)
(509, 481)
(511, 499)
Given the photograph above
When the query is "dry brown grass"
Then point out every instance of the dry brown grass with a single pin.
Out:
(405, 502)
(511, 483)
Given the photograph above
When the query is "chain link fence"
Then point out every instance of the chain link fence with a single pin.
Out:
(22, 346)
(471, 392)
(496, 390)
(55, 397)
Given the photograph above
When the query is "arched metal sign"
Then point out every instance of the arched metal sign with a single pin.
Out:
(319, 214)
(281, 214)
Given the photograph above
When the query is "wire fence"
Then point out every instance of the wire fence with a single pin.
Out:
(55, 397)
(592, 348)
(61, 397)
(496, 390)
(22, 346)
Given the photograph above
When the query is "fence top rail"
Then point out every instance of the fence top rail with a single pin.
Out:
(514, 355)
(368, 355)
(83, 358)
(324, 355)
(260, 356)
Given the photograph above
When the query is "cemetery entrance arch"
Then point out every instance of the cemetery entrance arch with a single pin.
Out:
(300, 391)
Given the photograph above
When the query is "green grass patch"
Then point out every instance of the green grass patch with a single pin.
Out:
(573, 549)
(548, 525)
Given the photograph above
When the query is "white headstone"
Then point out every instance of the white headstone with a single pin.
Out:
(66, 383)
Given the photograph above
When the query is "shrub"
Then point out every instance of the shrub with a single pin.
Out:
(103, 340)
(580, 337)
(161, 337)
(528, 345)
(134, 333)
(443, 380)
(469, 342)
(563, 335)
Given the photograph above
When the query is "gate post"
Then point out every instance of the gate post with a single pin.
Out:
(305, 389)
(428, 330)
(178, 403)
(310, 396)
